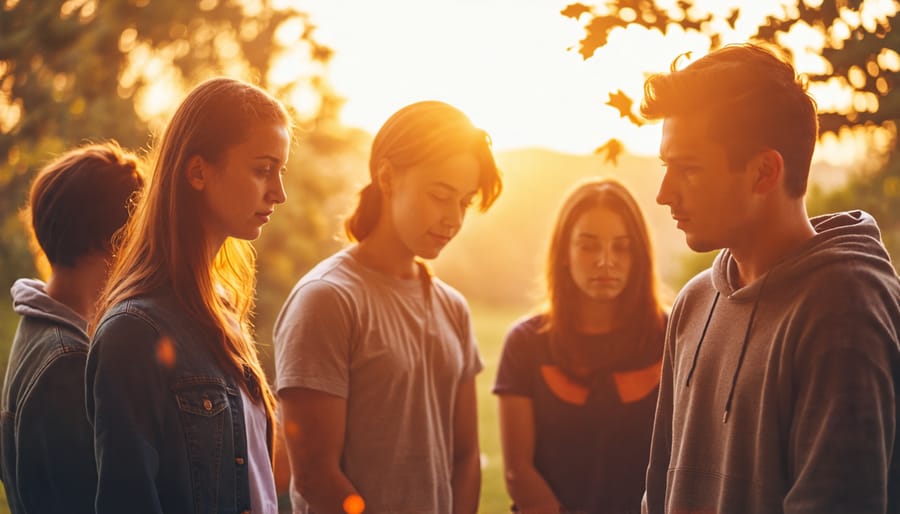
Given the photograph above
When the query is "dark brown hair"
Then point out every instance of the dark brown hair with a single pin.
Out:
(79, 201)
(754, 101)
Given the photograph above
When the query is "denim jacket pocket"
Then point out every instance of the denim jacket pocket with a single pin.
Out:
(203, 406)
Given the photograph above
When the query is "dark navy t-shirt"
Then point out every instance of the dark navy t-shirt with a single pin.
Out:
(592, 438)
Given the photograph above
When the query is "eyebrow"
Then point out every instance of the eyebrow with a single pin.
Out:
(444, 185)
(268, 157)
(678, 159)
(588, 235)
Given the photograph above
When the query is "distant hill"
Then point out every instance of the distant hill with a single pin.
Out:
(499, 256)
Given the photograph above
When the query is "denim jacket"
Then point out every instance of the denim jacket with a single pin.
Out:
(168, 420)
(47, 445)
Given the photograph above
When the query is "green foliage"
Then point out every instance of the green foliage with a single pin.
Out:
(79, 70)
(70, 71)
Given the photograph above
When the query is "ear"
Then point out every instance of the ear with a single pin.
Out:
(767, 168)
(196, 172)
(384, 175)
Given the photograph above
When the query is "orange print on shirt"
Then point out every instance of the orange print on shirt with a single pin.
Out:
(636, 385)
(563, 387)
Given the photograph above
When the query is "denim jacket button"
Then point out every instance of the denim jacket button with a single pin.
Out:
(207, 404)
(239, 461)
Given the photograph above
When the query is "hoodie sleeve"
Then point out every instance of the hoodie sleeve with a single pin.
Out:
(661, 443)
(844, 417)
(124, 392)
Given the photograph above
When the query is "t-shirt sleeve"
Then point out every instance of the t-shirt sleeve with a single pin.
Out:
(515, 373)
(312, 339)
(472, 363)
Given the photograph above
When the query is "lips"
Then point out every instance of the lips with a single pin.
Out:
(442, 240)
(264, 215)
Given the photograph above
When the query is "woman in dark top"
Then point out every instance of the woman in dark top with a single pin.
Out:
(577, 383)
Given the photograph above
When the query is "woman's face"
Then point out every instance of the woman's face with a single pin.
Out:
(241, 190)
(428, 202)
(600, 254)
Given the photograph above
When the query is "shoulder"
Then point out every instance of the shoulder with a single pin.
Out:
(130, 325)
(449, 295)
(526, 332)
(698, 290)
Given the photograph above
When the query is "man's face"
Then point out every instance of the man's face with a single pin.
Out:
(710, 200)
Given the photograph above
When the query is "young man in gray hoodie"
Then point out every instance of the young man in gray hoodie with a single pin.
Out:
(76, 204)
(780, 376)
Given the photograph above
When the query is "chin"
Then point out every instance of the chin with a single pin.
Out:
(700, 245)
(428, 254)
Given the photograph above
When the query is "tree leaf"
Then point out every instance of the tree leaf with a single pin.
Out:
(612, 148)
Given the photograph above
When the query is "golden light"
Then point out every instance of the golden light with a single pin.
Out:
(354, 504)
(165, 352)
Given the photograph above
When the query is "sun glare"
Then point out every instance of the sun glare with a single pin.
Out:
(514, 66)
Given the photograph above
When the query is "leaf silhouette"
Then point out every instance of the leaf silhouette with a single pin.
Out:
(613, 148)
(575, 10)
(732, 18)
(622, 103)
(598, 34)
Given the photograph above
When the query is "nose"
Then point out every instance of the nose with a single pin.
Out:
(454, 215)
(605, 257)
(276, 193)
(665, 193)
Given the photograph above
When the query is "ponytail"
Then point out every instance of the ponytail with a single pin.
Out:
(361, 223)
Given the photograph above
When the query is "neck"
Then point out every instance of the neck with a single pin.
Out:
(383, 251)
(595, 317)
(79, 287)
(774, 237)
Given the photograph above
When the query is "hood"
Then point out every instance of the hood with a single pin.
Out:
(844, 236)
(30, 298)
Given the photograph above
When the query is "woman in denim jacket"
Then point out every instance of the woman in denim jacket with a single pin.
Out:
(181, 411)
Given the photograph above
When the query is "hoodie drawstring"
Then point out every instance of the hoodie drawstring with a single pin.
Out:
(687, 382)
(740, 361)
(744, 345)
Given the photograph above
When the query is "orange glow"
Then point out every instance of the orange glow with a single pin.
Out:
(291, 430)
(165, 352)
(354, 504)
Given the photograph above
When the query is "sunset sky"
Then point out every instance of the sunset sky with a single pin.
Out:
(513, 66)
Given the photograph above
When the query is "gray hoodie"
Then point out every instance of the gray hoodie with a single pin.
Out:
(30, 299)
(782, 395)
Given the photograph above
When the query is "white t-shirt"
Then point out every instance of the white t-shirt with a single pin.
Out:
(397, 351)
(263, 498)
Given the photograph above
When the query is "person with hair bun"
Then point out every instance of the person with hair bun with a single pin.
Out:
(77, 204)
(375, 356)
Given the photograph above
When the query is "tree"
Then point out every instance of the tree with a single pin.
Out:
(860, 52)
(77, 70)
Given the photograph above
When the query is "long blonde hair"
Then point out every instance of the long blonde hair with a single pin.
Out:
(163, 245)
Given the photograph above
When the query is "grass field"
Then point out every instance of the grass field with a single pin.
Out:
(491, 324)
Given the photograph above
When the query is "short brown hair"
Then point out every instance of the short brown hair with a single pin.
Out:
(755, 101)
(79, 201)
